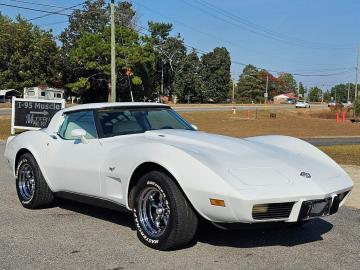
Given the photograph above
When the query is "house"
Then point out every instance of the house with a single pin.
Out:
(43, 93)
(284, 98)
(7, 94)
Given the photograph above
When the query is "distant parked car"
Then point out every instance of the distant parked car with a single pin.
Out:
(302, 104)
(332, 103)
(291, 101)
(346, 104)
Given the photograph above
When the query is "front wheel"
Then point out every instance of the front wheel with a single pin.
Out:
(163, 217)
(31, 187)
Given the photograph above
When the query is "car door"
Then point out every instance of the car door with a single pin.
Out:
(73, 165)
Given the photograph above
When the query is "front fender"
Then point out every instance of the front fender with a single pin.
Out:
(32, 141)
(198, 182)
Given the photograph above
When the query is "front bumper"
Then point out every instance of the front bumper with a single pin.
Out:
(291, 209)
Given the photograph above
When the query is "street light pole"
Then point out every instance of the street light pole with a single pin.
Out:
(113, 53)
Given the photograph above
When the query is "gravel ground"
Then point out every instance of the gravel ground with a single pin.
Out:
(76, 236)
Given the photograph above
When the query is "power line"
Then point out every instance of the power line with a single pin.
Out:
(205, 33)
(34, 9)
(269, 70)
(210, 9)
(62, 9)
(53, 23)
(198, 50)
(37, 4)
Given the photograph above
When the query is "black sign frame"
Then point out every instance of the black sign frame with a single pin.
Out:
(33, 114)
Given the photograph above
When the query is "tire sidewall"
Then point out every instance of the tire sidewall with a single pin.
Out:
(27, 159)
(157, 180)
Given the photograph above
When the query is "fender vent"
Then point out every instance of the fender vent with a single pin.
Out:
(272, 210)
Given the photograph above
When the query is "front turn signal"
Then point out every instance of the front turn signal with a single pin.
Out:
(217, 202)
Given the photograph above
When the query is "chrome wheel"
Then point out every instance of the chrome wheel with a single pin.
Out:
(154, 211)
(26, 182)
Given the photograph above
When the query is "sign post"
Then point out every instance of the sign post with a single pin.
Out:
(33, 114)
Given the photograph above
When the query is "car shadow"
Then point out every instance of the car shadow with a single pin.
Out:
(262, 235)
(245, 236)
(123, 218)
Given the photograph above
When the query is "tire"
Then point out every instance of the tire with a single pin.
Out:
(159, 199)
(31, 187)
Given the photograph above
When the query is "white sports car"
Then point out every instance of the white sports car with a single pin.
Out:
(146, 158)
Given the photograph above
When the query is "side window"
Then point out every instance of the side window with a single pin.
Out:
(162, 119)
(115, 123)
(75, 120)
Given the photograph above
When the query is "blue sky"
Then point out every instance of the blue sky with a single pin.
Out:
(301, 36)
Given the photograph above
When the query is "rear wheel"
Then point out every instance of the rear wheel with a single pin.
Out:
(163, 217)
(31, 187)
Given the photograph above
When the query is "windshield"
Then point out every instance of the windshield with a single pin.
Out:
(119, 121)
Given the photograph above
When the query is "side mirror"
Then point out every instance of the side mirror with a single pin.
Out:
(194, 127)
(79, 133)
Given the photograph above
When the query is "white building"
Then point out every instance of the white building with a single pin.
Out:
(7, 94)
(43, 93)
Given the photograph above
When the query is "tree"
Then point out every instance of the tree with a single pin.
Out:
(327, 96)
(357, 107)
(286, 83)
(171, 54)
(216, 74)
(92, 22)
(188, 83)
(249, 86)
(159, 31)
(92, 53)
(315, 94)
(302, 90)
(340, 92)
(28, 55)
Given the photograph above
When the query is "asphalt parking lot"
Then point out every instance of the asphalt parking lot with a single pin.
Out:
(76, 236)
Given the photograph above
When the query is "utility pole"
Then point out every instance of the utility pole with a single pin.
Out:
(162, 80)
(348, 97)
(233, 93)
(113, 53)
(356, 72)
(266, 88)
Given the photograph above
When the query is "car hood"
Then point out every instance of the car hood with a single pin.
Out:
(251, 163)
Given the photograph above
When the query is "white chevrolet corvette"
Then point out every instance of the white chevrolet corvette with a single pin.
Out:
(146, 158)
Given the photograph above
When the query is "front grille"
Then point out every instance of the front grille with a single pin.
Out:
(272, 210)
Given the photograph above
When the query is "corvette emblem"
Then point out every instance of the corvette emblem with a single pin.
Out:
(111, 169)
(305, 174)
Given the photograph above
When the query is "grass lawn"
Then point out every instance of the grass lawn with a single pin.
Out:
(343, 154)
(291, 122)
(4, 127)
